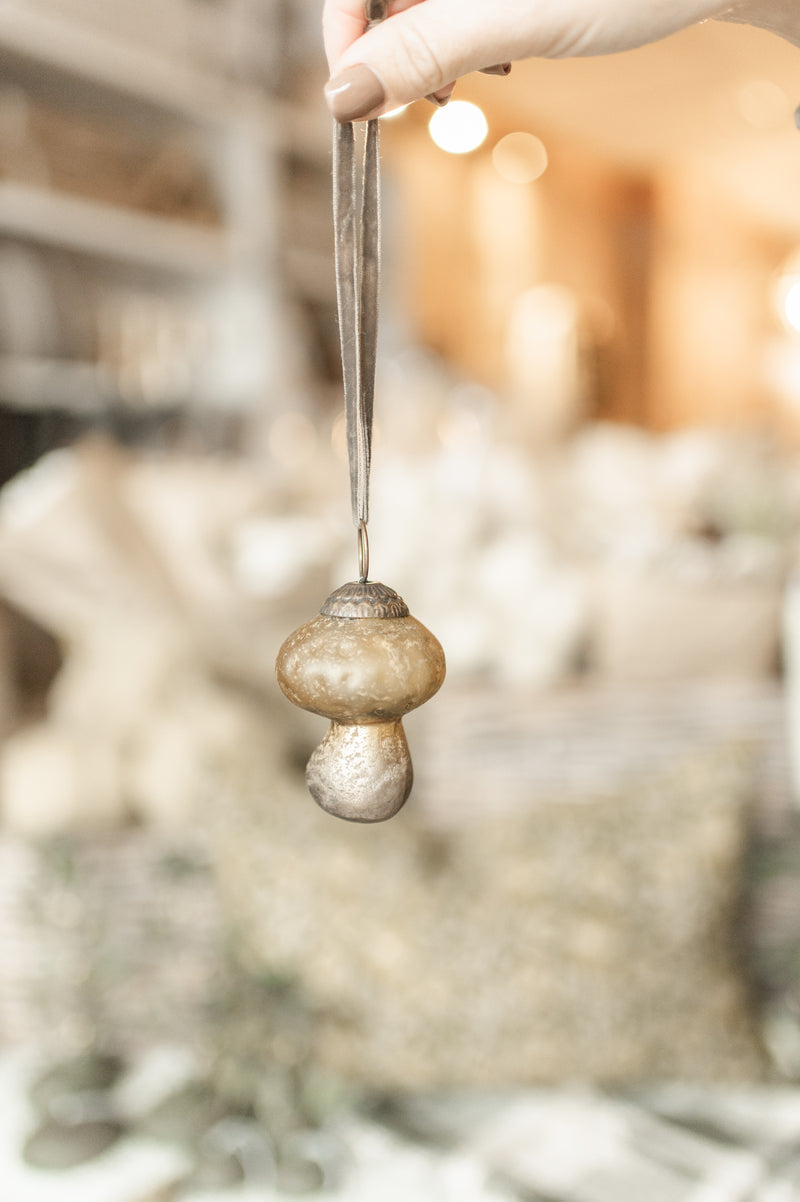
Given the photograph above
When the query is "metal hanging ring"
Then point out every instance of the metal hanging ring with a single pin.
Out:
(363, 552)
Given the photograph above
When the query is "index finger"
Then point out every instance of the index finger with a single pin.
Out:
(345, 21)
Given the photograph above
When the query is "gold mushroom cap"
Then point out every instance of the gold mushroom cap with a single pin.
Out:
(363, 662)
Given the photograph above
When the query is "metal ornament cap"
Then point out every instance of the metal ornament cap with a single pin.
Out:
(364, 599)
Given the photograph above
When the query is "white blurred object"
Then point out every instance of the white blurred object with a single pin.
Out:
(71, 770)
(165, 779)
(651, 626)
(272, 555)
(53, 780)
(609, 479)
(193, 728)
(535, 610)
(108, 683)
(35, 492)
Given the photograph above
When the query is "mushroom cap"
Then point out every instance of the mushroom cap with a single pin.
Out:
(360, 670)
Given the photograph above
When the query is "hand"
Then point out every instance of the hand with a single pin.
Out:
(426, 44)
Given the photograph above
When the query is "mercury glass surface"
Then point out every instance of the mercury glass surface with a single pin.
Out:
(364, 673)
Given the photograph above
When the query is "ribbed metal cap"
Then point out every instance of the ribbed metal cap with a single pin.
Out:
(364, 599)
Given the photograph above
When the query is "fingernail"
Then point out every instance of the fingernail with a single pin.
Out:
(497, 69)
(442, 95)
(353, 93)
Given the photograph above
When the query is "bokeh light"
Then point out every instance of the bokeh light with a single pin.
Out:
(458, 128)
(791, 305)
(763, 104)
(520, 157)
(786, 293)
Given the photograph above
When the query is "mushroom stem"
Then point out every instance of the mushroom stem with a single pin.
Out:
(361, 773)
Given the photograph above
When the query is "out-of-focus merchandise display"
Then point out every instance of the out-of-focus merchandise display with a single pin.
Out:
(44, 145)
(540, 571)
(586, 483)
(167, 583)
(140, 197)
(232, 37)
(127, 346)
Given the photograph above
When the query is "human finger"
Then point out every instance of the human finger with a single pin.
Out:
(420, 48)
(344, 22)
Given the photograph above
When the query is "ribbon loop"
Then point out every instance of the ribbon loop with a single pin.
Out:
(356, 226)
(356, 223)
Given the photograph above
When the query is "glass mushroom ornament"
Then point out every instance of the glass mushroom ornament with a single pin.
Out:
(363, 662)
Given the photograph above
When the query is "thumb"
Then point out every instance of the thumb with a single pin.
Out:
(410, 55)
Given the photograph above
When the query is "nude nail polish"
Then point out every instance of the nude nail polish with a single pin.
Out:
(441, 96)
(497, 69)
(354, 93)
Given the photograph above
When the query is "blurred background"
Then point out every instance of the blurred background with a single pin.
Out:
(569, 970)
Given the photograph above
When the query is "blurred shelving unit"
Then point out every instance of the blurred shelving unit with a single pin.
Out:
(147, 222)
(76, 224)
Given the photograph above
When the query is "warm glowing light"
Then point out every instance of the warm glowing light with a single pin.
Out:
(763, 104)
(791, 305)
(786, 293)
(394, 113)
(459, 127)
(520, 158)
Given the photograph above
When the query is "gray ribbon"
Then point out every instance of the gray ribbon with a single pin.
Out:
(356, 226)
